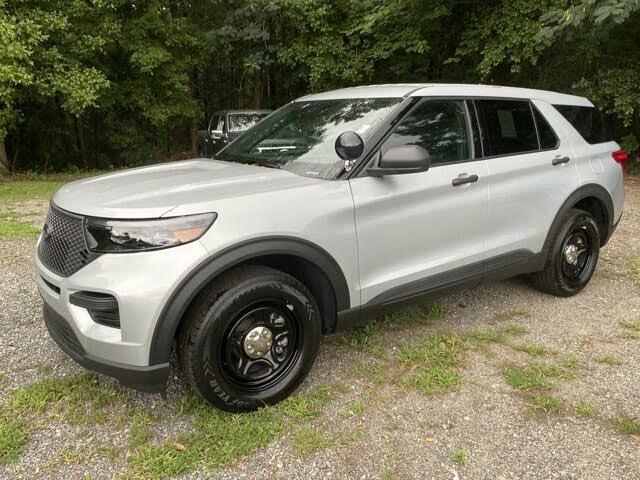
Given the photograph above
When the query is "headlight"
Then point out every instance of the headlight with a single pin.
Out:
(113, 236)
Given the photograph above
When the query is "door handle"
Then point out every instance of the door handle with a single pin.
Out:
(559, 160)
(464, 178)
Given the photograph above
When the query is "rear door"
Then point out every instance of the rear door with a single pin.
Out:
(418, 232)
(531, 172)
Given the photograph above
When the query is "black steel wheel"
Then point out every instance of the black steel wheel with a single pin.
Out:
(250, 339)
(572, 257)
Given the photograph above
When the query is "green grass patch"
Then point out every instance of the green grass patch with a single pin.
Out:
(358, 407)
(11, 226)
(141, 431)
(110, 452)
(535, 376)
(308, 440)
(220, 438)
(434, 364)
(519, 312)
(627, 425)
(609, 360)
(585, 409)
(531, 349)
(79, 400)
(631, 325)
(13, 437)
(364, 336)
(513, 330)
(545, 403)
(434, 380)
(21, 190)
(460, 457)
(634, 327)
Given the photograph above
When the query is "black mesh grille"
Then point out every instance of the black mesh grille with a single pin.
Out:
(62, 248)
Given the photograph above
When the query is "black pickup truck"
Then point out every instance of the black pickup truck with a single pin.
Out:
(225, 126)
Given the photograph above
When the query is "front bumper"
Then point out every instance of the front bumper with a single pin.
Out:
(147, 379)
(142, 283)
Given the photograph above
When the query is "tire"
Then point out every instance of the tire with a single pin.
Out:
(567, 269)
(249, 339)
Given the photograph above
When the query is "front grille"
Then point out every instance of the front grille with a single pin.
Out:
(62, 333)
(63, 249)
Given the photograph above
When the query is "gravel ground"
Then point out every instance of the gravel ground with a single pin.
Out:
(391, 431)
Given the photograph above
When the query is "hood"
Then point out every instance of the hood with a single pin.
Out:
(151, 192)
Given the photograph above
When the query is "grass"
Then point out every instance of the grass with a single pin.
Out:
(357, 407)
(308, 440)
(41, 187)
(633, 326)
(220, 438)
(110, 452)
(141, 432)
(546, 403)
(520, 312)
(585, 409)
(627, 425)
(531, 349)
(434, 364)
(12, 226)
(13, 437)
(460, 457)
(364, 336)
(609, 360)
(78, 400)
(536, 375)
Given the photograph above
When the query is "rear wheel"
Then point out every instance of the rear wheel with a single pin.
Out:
(572, 256)
(250, 339)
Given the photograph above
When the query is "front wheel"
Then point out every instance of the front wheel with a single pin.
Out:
(250, 339)
(572, 256)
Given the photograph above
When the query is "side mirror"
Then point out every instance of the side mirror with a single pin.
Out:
(349, 146)
(217, 134)
(402, 159)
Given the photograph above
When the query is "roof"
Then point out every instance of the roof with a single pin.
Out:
(446, 90)
(222, 112)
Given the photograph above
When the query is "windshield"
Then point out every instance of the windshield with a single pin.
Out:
(239, 122)
(300, 137)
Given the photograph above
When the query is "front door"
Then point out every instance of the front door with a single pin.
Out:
(424, 232)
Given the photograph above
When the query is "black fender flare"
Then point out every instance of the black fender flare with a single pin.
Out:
(585, 191)
(172, 312)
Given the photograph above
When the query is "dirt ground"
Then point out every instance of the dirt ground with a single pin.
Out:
(532, 387)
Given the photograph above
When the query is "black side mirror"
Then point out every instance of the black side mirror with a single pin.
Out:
(349, 146)
(402, 159)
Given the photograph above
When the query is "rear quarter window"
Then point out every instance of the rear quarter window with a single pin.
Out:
(588, 121)
(508, 127)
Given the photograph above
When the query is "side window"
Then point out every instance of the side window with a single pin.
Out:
(221, 122)
(507, 127)
(438, 126)
(217, 122)
(548, 138)
(588, 121)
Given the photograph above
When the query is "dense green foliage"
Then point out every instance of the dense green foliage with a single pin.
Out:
(88, 84)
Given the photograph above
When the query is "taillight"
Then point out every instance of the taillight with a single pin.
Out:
(621, 157)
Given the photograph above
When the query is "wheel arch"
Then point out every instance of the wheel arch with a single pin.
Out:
(593, 198)
(267, 251)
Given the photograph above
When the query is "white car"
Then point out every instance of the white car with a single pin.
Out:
(338, 206)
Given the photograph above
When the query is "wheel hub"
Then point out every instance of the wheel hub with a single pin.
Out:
(258, 342)
(571, 254)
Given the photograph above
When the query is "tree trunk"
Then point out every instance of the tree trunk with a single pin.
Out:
(4, 161)
(257, 89)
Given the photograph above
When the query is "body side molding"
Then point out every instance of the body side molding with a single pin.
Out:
(427, 289)
(167, 324)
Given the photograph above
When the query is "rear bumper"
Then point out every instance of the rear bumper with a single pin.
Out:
(148, 379)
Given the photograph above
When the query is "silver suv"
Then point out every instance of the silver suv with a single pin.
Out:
(338, 206)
